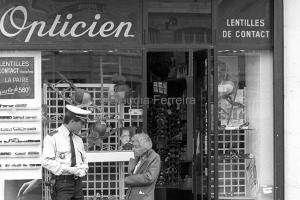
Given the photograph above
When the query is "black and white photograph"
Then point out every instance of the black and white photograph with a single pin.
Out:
(149, 99)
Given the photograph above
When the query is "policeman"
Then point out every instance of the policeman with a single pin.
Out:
(64, 155)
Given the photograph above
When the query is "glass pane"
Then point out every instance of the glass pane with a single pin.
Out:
(179, 22)
(113, 79)
(245, 102)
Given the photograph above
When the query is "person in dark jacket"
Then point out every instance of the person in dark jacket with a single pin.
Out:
(143, 170)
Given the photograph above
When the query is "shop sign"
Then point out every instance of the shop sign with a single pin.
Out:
(62, 23)
(16, 77)
(245, 21)
(78, 29)
(245, 29)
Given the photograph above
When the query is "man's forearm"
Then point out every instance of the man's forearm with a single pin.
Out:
(57, 168)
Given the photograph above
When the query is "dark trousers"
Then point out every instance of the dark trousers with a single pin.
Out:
(67, 188)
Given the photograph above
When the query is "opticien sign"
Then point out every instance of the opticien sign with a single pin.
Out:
(59, 28)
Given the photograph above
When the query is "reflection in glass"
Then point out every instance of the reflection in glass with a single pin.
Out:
(245, 107)
(179, 22)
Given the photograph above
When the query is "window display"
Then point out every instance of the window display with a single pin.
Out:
(245, 123)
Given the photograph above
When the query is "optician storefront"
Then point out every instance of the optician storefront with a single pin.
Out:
(202, 78)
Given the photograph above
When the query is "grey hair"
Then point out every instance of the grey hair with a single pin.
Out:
(144, 140)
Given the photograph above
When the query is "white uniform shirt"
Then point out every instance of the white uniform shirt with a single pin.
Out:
(57, 152)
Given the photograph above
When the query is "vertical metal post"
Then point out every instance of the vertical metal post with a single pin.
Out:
(214, 11)
(278, 97)
(144, 88)
(101, 81)
(216, 118)
(209, 128)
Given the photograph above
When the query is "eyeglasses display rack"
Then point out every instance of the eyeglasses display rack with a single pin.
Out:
(20, 119)
(20, 137)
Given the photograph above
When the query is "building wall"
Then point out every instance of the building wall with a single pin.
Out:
(292, 98)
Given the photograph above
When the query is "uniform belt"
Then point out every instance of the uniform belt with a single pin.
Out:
(67, 177)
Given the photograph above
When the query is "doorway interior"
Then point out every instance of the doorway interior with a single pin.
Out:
(177, 121)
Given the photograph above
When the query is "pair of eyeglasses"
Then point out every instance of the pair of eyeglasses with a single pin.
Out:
(33, 153)
(20, 105)
(34, 165)
(30, 117)
(6, 106)
(5, 117)
(31, 141)
(30, 129)
(5, 153)
(18, 117)
(16, 140)
(19, 129)
(12, 140)
(6, 129)
(20, 153)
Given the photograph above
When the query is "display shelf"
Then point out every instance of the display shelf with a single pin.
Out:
(19, 132)
(236, 158)
(19, 143)
(20, 108)
(110, 156)
(237, 198)
(20, 120)
(19, 168)
(235, 129)
(20, 156)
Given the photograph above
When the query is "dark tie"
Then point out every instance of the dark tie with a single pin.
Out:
(73, 157)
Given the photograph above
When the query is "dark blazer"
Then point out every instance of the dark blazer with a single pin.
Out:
(142, 183)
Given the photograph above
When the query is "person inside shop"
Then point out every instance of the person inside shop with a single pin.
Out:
(143, 169)
(64, 155)
(126, 138)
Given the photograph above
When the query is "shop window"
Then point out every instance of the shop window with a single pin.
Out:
(245, 103)
(114, 80)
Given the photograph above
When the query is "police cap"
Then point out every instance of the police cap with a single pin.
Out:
(79, 112)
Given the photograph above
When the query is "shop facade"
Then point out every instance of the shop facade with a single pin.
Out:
(203, 78)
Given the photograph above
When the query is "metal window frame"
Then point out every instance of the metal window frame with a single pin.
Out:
(278, 92)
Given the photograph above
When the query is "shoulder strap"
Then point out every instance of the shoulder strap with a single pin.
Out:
(52, 132)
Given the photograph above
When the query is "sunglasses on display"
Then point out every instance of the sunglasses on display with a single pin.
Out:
(17, 129)
(5, 153)
(20, 153)
(6, 129)
(34, 165)
(6, 106)
(24, 117)
(18, 117)
(11, 106)
(20, 165)
(17, 140)
(33, 153)
(5, 117)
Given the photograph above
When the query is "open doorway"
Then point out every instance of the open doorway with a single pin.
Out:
(177, 89)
